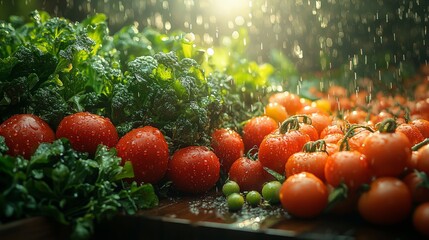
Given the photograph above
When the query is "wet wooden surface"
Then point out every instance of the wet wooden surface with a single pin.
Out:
(207, 217)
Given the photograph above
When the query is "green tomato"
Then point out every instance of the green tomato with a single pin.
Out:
(230, 187)
(253, 198)
(235, 201)
(271, 192)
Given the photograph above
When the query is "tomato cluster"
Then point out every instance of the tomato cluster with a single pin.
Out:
(193, 169)
(342, 153)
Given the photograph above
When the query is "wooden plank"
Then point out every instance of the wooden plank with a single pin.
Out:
(32, 228)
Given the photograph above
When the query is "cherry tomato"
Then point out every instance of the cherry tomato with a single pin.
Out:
(304, 195)
(332, 129)
(256, 129)
(320, 121)
(348, 167)
(333, 138)
(254, 198)
(86, 131)
(412, 132)
(422, 163)
(235, 201)
(230, 187)
(290, 101)
(387, 153)
(249, 174)
(23, 133)
(194, 169)
(270, 191)
(312, 162)
(422, 108)
(276, 111)
(388, 201)
(309, 130)
(228, 146)
(356, 116)
(332, 148)
(276, 149)
(147, 150)
(421, 219)
(359, 136)
(418, 188)
(422, 125)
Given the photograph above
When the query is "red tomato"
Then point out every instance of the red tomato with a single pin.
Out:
(309, 130)
(23, 133)
(356, 116)
(422, 163)
(304, 195)
(414, 182)
(359, 136)
(147, 150)
(256, 129)
(276, 149)
(348, 167)
(387, 153)
(422, 108)
(422, 125)
(332, 148)
(332, 129)
(312, 162)
(194, 169)
(228, 146)
(412, 132)
(249, 174)
(320, 121)
(333, 138)
(421, 219)
(86, 131)
(387, 202)
(290, 101)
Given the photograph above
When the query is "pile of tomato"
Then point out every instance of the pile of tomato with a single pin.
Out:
(342, 153)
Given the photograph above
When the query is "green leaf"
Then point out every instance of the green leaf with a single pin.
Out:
(126, 172)
(275, 174)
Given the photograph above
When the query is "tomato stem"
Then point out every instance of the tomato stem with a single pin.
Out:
(315, 146)
(292, 123)
(420, 144)
(344, 146)
(387, 126)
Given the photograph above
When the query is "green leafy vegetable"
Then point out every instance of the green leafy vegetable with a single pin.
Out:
(68, 187)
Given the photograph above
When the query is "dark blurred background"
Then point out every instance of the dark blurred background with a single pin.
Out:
(315, 34)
